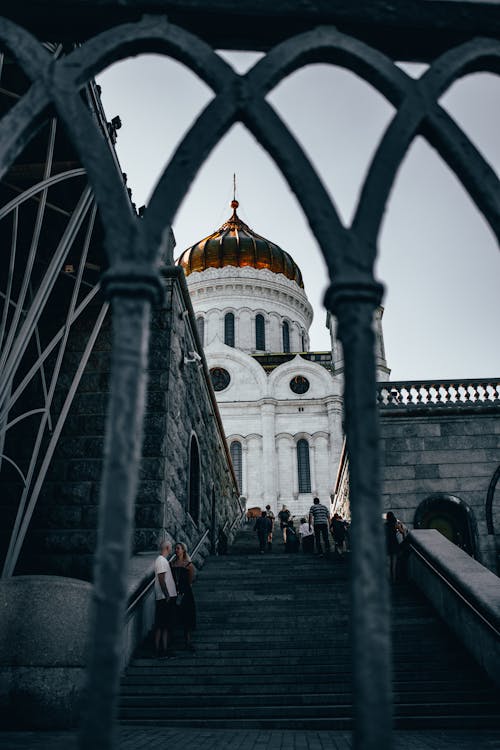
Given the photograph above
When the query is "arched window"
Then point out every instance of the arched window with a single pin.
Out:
(260, 333)
(286, 337)
(303, 467)
(304, 342)
(200, 325)
(236, 458)
(194, 480)
(229, 329)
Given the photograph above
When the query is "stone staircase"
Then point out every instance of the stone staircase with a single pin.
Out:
(273, 652)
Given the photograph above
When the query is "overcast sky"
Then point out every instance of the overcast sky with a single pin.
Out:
(438, 259)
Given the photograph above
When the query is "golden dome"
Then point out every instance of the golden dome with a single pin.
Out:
(235, 244)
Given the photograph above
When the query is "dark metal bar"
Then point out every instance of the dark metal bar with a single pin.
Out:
(405, 29)
(116, 511)
(354, 306)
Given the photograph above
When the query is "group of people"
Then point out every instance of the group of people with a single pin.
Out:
(312, 532)
(175, 605)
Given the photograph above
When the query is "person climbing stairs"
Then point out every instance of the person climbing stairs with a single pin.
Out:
(273, 651)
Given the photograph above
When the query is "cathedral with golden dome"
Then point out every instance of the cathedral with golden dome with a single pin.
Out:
(280, 402)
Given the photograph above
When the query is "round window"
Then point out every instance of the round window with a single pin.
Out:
(220, 378)
(299, 384)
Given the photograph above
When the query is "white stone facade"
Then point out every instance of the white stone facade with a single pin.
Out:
(247, 292)
(258, 408)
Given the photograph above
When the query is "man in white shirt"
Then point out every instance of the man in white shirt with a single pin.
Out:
(165, 594)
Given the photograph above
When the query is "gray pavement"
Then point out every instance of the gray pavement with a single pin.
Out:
(142, 738)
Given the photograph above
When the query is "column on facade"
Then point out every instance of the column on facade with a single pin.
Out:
(294, 465)
(337, 352)
(295, 337)
(312, 467)
(382, 371)
(335, 428)
(284, 447)
(268, 451)
(254, 471)
(244, 469)
(322, 469)
(275, 343)
(245, 340)
(212, 326)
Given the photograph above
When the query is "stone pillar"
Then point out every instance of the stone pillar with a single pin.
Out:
(354, 304)
(246, 334)
(335, 428)
(295, 338)
(293, 464)
(275, 343)
(382, 372)
(244, 469)
(284, 472)
(254, 463)
(322, 468)
(268, 453)
(312, 468)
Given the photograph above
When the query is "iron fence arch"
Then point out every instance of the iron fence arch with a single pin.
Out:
(134, 246)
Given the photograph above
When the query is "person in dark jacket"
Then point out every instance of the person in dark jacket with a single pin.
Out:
(292, 540)
(263, 526)
(337, 529)
(392, 526)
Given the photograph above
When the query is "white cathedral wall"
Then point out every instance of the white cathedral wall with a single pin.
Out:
(261, 410)
(269, 434)
(247, 292)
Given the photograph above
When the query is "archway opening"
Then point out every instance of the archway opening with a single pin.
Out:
(451, 517)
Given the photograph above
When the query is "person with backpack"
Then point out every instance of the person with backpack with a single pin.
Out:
(337, 528)
(262, 527)
(284, 516)
(292, 540)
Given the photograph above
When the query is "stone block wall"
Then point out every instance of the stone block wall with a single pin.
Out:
(455, 454)
(63, 532)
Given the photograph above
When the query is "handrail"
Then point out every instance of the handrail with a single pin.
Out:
(236, 520)
(150, 583)
(456, 591)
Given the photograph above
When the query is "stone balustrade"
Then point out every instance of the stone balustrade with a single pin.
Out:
(434, 394)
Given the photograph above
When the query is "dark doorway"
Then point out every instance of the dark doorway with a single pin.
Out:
(451, 517)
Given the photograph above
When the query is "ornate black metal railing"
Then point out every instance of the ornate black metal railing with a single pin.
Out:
(445, 34)
(425, 395)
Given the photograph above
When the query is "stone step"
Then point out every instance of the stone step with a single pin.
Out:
(314, 724)
(167, 710)
(258, 701)
(274, 651)
(238, 672)
(403, 691)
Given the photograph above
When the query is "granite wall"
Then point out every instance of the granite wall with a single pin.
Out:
(454, 454)
(180, 404)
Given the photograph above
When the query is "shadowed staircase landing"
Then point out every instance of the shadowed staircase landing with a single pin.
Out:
(273, 652)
